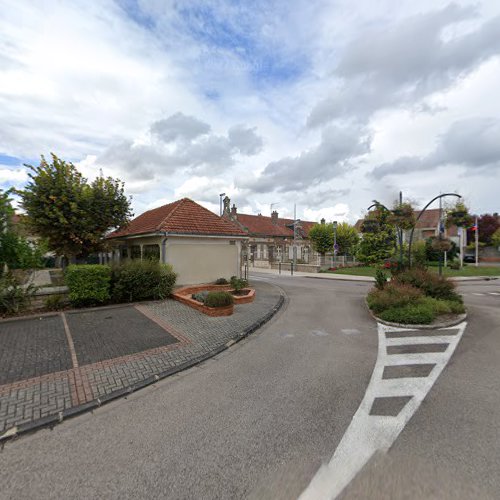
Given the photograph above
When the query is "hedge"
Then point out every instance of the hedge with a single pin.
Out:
(88, 284)
(219, 299)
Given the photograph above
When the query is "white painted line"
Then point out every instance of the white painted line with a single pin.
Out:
(442, 339)
(416, 358)
(368, 433)
(476, 293)
(494, 293)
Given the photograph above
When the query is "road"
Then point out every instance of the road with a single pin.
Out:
(450, 449)
(259, 420)
(256, 421)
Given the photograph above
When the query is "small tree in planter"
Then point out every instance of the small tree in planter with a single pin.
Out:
(238, 284)
(402, 216)
(441, 244)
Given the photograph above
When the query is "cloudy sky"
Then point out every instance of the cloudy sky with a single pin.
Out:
(325, 104)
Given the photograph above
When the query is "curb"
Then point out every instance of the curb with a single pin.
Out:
(57, 418)
(433, 326)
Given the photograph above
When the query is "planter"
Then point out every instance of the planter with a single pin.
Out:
(184, 295)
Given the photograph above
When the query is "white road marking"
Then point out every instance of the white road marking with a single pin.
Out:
(367, 433)
(477, 293)
(349, 331)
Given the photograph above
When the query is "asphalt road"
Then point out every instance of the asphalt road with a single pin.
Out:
(254, 422)
(450, 449)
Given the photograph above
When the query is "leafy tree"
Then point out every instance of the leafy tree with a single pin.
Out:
(495, 238)
(487, 225)
(15, 250)
(347, 239)
(379, 236)
(72, 214)
(321, 236)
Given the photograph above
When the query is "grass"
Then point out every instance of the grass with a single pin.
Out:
(470, 270)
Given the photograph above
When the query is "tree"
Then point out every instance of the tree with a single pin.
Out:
(495, 238)
(487, 225)
(379, 236)
(347, 239)
(70, 213)
(321, 236)
(15, 250)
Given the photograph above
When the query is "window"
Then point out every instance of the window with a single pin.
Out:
(151, 252)
(135, 252)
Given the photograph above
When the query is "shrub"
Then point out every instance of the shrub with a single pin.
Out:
(380, 279)
(454, 265)
(392, 295)
(430, 283)
(419, 313)
(137, 280)
(219, 299)
(200, 296)
(14, 297)
(221, 281)
(89, 284)
(54, 302)
(238, 283)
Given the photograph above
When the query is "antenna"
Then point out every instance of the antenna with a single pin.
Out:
(272, 205)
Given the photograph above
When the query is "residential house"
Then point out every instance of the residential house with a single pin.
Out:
(272, 239)
(199, 245)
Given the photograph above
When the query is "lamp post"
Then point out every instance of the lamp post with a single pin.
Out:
(335, 246)
(420, 215)
(220, 203)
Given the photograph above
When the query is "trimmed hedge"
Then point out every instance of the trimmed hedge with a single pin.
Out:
(219, 299)
(430, 283)
(137, 280)
(89, 284)
(392, 295)
(416, 314)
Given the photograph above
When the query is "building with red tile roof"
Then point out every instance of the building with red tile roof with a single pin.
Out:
(200, 245)
(273, 239)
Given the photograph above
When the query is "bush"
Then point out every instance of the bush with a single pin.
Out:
(238, 283)
(89, 284)
(200, 296)
(431, 284)
(137, 280)
(419, 313)
(380, 279)
(54, 302)
(221, 281)
(13, 297)
(219, 299)
(392, 295)
(454, 265)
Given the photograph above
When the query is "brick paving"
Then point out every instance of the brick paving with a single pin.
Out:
(107, 350)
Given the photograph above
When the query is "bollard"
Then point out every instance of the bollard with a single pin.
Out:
(279, 267)
(291, 268)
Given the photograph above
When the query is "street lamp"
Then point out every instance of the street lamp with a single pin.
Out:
(220, 202)
(335, 246)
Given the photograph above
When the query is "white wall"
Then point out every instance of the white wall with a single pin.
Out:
(202, 260)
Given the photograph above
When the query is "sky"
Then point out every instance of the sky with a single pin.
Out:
(322, 105)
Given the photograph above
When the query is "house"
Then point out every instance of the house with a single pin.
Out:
(272, 239)
(199, 245)
(427, 227)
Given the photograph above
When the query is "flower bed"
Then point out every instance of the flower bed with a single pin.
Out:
(185, 293)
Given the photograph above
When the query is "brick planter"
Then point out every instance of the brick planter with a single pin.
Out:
(184, 295)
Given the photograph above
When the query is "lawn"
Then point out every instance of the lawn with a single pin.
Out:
(469, 270)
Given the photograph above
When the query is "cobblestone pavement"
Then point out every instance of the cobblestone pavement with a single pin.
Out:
(57, 363)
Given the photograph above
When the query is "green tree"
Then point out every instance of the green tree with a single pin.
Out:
(347, 239)
(321, 236)
(495, 238)
(379, 237)
(72, 214)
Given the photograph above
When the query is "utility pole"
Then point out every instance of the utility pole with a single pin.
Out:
(476, 225)
(294, 234)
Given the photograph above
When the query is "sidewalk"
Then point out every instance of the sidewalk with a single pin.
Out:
(56, 365)
(350, 277)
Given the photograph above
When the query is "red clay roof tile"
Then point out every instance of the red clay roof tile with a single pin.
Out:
(180, 217)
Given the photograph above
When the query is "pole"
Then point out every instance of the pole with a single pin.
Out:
(477, 242)
(461, 232)
(440, 238)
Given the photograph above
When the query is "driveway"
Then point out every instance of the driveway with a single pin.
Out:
(53, 366)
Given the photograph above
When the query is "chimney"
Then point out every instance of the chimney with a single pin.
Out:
(274, 217)
(234, 215)
(227, 203)
(323, 221)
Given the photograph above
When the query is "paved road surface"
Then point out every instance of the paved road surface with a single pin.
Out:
(256, 421)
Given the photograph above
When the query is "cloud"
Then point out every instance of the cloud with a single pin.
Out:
(403, 64)
(330, 158)
(245, 140)
(179, 126)
(472, 143)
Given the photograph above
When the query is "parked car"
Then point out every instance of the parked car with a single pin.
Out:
(470, 258)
